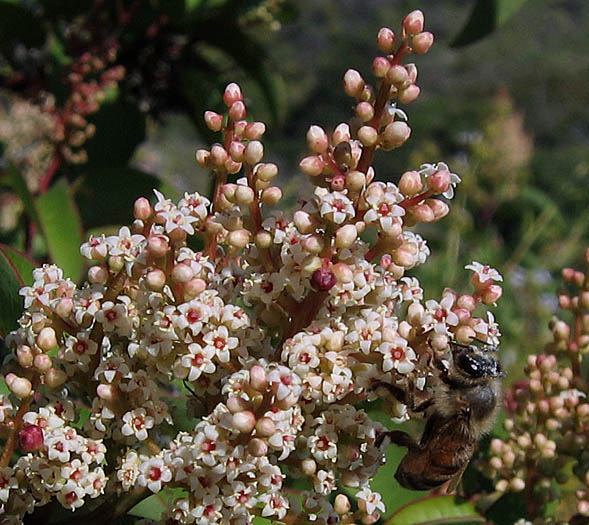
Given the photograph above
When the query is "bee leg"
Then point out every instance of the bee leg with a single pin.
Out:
(398, 437)
(405, 397)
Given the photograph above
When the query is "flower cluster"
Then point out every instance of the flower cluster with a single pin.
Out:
(274, 330)
(549, 413)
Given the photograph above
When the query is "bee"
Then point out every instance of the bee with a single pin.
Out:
(461, 409)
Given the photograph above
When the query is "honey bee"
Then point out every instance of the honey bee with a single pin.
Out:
(461, 409)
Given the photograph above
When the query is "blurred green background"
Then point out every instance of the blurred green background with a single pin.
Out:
(504, 102)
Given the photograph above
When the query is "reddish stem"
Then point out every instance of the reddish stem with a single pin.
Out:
(50, 173)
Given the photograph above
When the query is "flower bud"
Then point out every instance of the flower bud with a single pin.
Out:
(345, 236)
(353, 83)
(415, 313)
(464, 334)
(231, 166)
(367, 135)
(244, 195)
(263, 240)
(323, 280)
(342, 504)
(254, 152)
(343, 272)
(98, 275)
(257, 447)
(202, 157)
(237, 111)
(182, 273)
(232, 94)
(422, 213)
(218, 155)
(502, 485)
(317, 139)
(364, 111)
(24, 356)
(236, 404)
(341, 133)
(254, 130)
(355, 181)
(239, 238)
(21, 387)
(398, 75)
(155, 280)
(64, 307)
(213, 120)
(492, 294)
(142, 209)
(42, 362)
(395, 134)
(54, 377)
(350, 479)
(409, 94)
(311, 263)
(47, 339)
(258, 378)
(405, 255)
(422, 42)
(244, 422)
(236, 150)
(304, 222)
(271, 196)
(439, 182)
(413, 22)
(517, 484)
(313, 244)
(158, 245)
(308, 466)
(380, 67)
(265, 427)
(385, 40)
(312, 165)
(266, 171)
(30, 438)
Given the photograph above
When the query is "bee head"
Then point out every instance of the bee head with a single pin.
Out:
(475, 363)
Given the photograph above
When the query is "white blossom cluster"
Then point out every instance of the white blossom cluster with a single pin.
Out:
(271, 333)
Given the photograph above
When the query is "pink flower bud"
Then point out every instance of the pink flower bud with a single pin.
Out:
(492, 294)
(202, 157)
(422, 42)
(47, 339)
(158, 246)
(385, 40)
(398, 75)
(30, 438)
(254, 130)
(244, 195)
(64, 307)
(239, 238)
(236, 150)
(271, 196)
(422, 213)
(107, 392)
(232, 94)
(218, 155)
(405, 256)
(98, 274)
(439, 182)
(468, 302)
(312, 165)
(237, 404)
(342, 504)
(54, 377)
(142, 209)
(364, 111)
(317, 139)
(254, 152)
(21, 387)
(213, 120)
(323, 280)
(355, 181)
(42, 362)
(380, 67)
(464, 334)
(155, 279)
(265, 427)
(263, 240)
(239, 127)
(345, 236)
(266, 171)
(343, 272)
(194, 287)
(367, 135)
(181, 273)
(237, 111)
(341, 133)
(304, 222)
(244, 422)
(410, 183)
(257, 447)
(396, 134)
(353, 83)
(409, 94)
(258, 378)
(24, 356)
(413, 22)
(311, 263)
(440, 208)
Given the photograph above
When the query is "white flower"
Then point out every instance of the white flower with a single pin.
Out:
(219, 341)
(71, 495)
(153, 473)
(383, 205)
(484, 272)
(336, 207)
(137, 422)
(397, 355)
(198, 361)
(8, 482)
(430, 169)
(370, 501)
(124, 243)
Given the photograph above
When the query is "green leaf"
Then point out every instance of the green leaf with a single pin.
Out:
(486, 17)
(106, 197)
(152, 507)
(60, 223)
(15, 272)
(434, 510)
